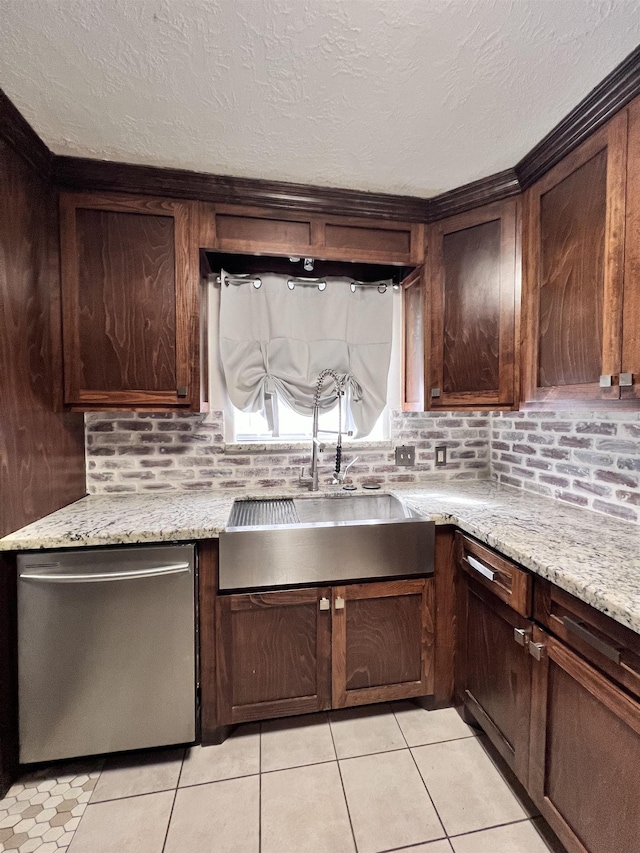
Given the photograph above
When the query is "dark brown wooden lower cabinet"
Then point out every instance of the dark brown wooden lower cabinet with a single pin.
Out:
(494, 673)
(382, 646)
(584, 772)
(273, 654)
(306, 650)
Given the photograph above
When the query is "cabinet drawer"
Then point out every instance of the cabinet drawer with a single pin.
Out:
(606, 644)
(506, 580)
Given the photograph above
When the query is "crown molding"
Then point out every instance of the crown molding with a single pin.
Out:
(496, 187)
(75, 173)
(16, 131)
(617, 89)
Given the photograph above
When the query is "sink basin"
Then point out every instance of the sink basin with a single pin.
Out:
(325, 539)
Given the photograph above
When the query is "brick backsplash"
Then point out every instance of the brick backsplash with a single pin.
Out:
(586, 459)
(187, 452)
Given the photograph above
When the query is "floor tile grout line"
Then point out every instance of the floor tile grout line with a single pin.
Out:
(344, 793)
(409, 847)
(444, 829)
(166, 834)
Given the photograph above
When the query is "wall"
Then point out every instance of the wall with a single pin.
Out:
(587, 459)
(182, 452)
(41, 451)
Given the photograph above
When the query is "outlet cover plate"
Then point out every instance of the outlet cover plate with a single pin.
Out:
(441, 455)
(405, 456)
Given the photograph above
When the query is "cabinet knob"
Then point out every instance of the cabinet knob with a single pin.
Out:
(520, 636)
(435, 392)
(325, 604)
(606, 380)
(181, 390)
(536, 650)
(626, 380)
(339, 605)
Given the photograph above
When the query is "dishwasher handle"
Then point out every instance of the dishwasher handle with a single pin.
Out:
(102, 577)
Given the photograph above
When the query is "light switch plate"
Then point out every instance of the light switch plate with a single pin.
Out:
(405, 455)
(441, 455)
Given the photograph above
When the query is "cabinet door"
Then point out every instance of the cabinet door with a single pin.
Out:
(584, 764)
(574, 227)
(472, 261)
(630, 364)
(273, 654)
(130, 302)
(494, 673)
(382, 641)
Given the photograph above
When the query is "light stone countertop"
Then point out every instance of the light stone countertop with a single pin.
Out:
(587, 554)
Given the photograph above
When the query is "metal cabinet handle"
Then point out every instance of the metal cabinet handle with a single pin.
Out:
(325, 604)
(536, 650)
(521, 636)
(481, 568)
(339, 605)
(606, 380)
(626, 380)
(580, 630)
(102, 577)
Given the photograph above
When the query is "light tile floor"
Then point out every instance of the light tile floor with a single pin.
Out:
(367, 780)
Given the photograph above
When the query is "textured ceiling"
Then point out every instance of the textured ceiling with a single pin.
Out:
(402, 96)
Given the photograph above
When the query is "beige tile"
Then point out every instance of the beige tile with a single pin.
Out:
(239, 755)
(363, 731)
(221, 817)
(431, 847)
(304, 811)
(422, 727)
(296, 741)
(467, 789)
(145, 773)
(388, 803)
(513, 838)
(137, 825)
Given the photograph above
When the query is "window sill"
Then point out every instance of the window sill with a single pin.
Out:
(255, 448)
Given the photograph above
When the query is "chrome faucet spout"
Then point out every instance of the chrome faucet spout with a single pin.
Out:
(312, 481)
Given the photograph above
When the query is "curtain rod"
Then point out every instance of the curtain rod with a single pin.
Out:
(320, 283)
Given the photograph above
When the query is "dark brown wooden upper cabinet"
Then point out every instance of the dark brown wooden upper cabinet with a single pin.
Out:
(130, 303)
(574, 234)
(253, 230)
(473, 285)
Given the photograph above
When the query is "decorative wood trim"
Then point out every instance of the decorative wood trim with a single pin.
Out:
(18, 133)
(207, 593)
(77, 173)
(616, 90)
(495, 188)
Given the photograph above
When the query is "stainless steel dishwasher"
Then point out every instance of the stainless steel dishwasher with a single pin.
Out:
(106, 650)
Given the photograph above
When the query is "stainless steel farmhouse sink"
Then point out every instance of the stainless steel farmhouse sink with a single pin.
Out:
(275, 543)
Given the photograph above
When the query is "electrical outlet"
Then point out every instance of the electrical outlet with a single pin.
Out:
(405, 455)
(441, 455)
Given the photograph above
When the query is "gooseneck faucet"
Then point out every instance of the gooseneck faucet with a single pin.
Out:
(316, 445)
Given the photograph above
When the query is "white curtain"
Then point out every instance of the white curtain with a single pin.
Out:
(277, 340)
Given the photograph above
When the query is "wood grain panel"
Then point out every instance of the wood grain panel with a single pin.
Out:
(126, 301)
(630, 362)
(273, 654)
(471, 261)
(383, 240)
(207, 591)
(384, 641)
(41, 448)
(584, 729)
(446, 582)
(572, 231)
(496, 684)
(413, 343)
(280, 232)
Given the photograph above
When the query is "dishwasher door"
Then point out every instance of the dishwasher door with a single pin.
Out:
(106, 650)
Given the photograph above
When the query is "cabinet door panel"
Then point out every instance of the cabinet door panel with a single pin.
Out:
(572, 238)
(382, 641)
(631, 308)
(472, 290)
(585, 753)
(130, 302)
(273, 654)
(495, 680)
(126, 300)
(574, 227)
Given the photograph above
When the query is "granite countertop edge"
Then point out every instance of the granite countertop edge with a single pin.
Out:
(587, 554)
